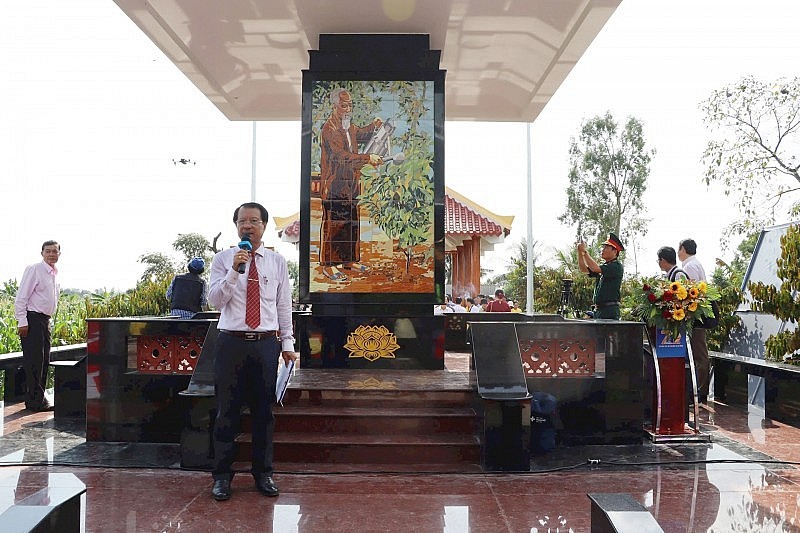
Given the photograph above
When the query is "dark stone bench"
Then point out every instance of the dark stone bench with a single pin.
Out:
(196, 434)
(620, 513)
(69, 388)
(59, 507)
(781, 390)
(14, 375)
(505, 396)
(590, 372)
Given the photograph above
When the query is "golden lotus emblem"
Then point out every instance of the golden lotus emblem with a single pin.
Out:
(372, 343)
(372, 383)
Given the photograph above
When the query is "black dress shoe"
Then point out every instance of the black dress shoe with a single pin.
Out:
(266, 486)
(39, 407)
(221, 490)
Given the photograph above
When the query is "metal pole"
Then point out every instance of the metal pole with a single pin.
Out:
(529, 272)
(253, 167)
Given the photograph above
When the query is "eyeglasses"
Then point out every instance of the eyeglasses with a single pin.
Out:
(251, 221)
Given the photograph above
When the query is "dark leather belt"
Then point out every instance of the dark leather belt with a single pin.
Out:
(251, 335)
(607, 304)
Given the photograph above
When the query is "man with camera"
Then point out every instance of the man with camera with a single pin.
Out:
(608, 276)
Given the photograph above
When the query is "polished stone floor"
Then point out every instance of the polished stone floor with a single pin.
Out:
(745, 480)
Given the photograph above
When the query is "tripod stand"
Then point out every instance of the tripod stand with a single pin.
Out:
(567, 305)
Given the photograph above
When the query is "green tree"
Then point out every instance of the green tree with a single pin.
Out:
(608, 175)
(158, 266)
(783, 302)
(191, 245)
(754, 150)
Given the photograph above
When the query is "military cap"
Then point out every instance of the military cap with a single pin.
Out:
(614, 242)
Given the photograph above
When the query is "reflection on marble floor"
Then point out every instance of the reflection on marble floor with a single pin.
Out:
(743, 481)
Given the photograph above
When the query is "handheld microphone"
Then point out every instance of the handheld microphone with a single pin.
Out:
(244, 244)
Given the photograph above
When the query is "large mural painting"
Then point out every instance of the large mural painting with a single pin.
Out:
(371, 212)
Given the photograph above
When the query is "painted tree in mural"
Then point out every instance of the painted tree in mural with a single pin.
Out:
(783, 302)
(398, 195)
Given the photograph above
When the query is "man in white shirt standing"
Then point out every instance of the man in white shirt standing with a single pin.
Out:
(691, 265)
(36, 301)
(251, 289)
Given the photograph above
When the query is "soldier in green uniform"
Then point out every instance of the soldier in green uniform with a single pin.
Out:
(608, 276)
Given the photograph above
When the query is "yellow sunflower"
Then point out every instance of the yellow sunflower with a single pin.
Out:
(678, 314)
(681, 292)
(702, 287)
(692, 307)
(675, 286)
(693, 292)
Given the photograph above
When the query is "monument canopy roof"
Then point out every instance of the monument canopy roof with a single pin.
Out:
(504, 58)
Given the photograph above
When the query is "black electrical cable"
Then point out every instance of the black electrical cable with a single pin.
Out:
(593, 463)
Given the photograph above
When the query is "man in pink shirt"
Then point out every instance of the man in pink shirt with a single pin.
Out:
(35, 303)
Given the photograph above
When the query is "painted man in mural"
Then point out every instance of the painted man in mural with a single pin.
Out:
(340, 185)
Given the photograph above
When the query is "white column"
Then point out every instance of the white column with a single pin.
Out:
(253, 167)
(529, 276)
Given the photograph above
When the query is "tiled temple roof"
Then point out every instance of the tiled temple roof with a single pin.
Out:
(464, 217)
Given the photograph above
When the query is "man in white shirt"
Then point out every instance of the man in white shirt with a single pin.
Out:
(252, 291)
(36, 301)
(457, 307)
(691, 265)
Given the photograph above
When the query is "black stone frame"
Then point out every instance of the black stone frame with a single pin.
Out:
(379, 58)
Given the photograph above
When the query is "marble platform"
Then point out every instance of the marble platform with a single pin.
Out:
(745, 480)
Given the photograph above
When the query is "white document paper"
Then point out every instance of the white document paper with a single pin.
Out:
(282, 383)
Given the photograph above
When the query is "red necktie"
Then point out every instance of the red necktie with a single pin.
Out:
(252, 313)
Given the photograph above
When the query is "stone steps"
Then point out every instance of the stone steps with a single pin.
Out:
(374, 420)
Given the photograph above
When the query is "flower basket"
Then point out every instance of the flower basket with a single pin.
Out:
(675, 306)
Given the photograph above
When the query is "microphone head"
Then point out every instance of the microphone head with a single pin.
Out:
(245, 243)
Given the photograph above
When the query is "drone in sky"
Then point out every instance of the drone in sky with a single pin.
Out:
(183, 161)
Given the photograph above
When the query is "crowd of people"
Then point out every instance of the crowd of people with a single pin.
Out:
(479, 304)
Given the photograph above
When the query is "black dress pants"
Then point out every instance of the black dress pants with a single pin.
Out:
(244, 372)
(36, 358)
(702, 364)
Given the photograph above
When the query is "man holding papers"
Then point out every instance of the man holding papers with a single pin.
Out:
(250, 287)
